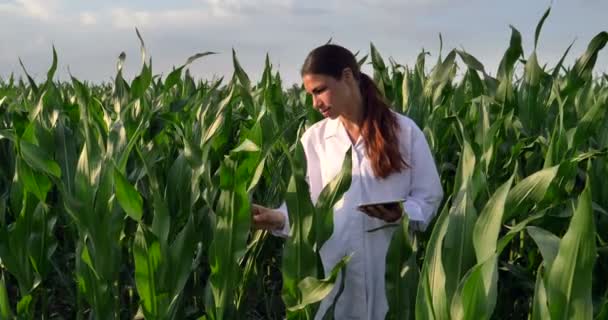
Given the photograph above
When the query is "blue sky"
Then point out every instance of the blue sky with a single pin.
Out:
(89, 35)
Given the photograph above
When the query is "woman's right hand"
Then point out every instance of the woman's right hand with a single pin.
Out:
(265, 218)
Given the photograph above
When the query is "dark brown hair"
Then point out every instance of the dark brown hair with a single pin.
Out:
(380, 125)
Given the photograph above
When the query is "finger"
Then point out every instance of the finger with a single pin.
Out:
(389, 215)
(384, 211)
(256, 209)
(374, 212)
(261, 222)
(366, 210)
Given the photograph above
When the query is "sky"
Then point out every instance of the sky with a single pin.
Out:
(90, 35)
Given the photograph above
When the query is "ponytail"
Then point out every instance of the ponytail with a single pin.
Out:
(379, 130)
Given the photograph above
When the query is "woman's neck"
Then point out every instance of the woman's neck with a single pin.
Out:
(352, 119)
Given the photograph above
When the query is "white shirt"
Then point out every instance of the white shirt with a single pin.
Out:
(325, 144)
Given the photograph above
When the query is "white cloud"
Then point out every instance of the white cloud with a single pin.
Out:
(36, 9)
(88, 19)
(10, 9)
(230, 8)
(123, 18)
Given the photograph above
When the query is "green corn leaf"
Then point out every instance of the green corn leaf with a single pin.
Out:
(181, 254)
(5, 308)
(230, 241)
(529, 191)
(329, 196)
(299, 258)
(128, 198)
(402, 274)
(548, 243)
(240, 73)
(147, 258)
(37, 184)
(38, 160)
(51, 73)
(507, 64)
(471, 61)
(584, 64)
(569, 278)
(431, 298)
(476, 294)
(487, 227)
(539, 27)
(314, 290)
(540, 308)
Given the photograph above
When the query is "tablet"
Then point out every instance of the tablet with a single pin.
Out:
(387, 203)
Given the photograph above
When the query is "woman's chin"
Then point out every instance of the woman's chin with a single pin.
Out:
(330, 115)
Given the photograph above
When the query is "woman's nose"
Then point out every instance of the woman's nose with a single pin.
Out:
(316, 102)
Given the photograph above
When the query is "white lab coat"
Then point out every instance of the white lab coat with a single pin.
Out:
(325, 144)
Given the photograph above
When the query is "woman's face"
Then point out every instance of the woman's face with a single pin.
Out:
(330, 96)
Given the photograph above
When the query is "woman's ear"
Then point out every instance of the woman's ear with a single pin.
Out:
(347, 74)
(349, 78)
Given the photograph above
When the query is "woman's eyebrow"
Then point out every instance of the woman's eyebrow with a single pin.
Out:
(318, 89)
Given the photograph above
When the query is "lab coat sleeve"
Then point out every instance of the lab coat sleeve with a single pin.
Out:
(426, 192)
(313, 177)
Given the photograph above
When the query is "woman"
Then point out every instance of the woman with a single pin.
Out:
(391, 160)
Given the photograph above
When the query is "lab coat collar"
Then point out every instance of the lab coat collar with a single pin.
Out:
(334, 128)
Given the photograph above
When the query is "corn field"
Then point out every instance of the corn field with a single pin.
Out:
(131, 199)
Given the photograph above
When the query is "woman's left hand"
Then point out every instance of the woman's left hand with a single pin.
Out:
(388, 214)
